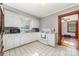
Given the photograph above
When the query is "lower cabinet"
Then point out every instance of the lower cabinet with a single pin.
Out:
(23, 39)
(26, 38)
(15, 40)
(8, 42)
(36, 36)
(51, 39)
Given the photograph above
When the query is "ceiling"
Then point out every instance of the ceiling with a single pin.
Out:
(41, 10)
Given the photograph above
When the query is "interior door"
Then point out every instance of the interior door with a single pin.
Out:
(1, 30)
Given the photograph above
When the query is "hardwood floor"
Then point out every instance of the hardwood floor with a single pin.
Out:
(39, 49)
(70, 42)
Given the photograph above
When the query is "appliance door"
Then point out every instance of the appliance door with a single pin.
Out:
(11, 30)
(15, 30)
(51, 39)
(44, 38)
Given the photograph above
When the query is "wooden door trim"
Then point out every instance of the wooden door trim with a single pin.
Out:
(1, 9)
(70, 13)
(78, 32)
(60, 30)
(2, 28)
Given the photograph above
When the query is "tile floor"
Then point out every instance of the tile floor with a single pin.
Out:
(39, 49)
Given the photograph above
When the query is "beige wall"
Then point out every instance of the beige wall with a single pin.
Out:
(51, 21)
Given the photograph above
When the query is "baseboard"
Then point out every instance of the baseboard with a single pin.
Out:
(47, 44)
(69, 36)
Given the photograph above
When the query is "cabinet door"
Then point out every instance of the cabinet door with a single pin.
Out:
(17, 40)
(11, 19)
(9, 42)
(29, 37)
(32, 36)
(23, 39)
(51, 39)
(35, 23)
(6, 42)
(36, 36)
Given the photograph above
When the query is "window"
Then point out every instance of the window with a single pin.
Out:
(71, 26)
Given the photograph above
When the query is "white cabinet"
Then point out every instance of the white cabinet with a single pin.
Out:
(36, 36)
(31, 37)
(8, 42)
(12, 19)
(51, 39)
(34, 23)
(11, 41)
(25, 38)
(15, 40)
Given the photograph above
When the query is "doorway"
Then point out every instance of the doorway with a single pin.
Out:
(69, 26)
(68, 29)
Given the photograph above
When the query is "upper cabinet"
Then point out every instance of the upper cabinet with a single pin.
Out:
(25, 23)
(35, 23)
(13, 19)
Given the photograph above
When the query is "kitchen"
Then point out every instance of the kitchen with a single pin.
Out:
(33, 29)
(21, 29)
